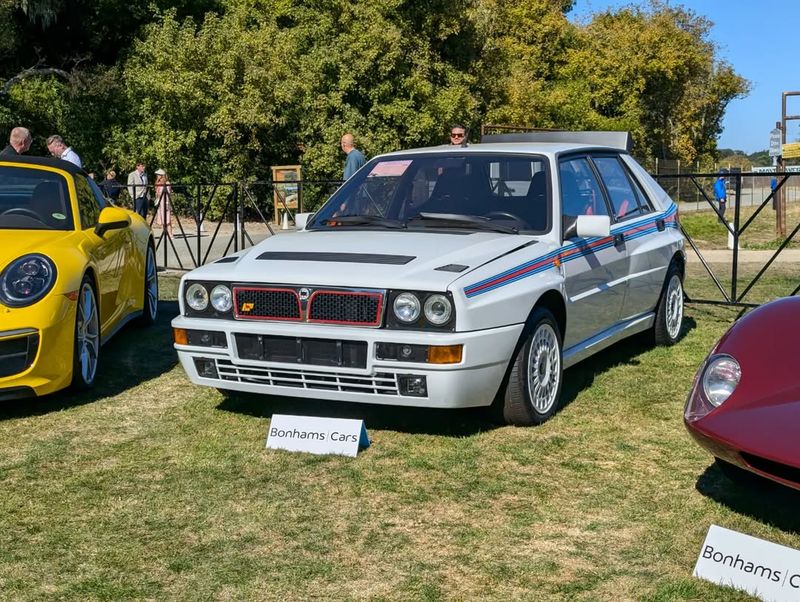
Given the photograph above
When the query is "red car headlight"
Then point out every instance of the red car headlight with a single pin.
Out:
(717, 380)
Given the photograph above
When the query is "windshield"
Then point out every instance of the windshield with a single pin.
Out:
(504, 193)
(33, 199)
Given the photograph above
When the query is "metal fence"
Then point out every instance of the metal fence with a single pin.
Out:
(199, 223)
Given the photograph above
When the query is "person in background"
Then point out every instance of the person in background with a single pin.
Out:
(720, 194)
(458, 134)
(110, 186)
(355, 158)
(137, 188)
(163, 202)
(59, 149)
(18, 143)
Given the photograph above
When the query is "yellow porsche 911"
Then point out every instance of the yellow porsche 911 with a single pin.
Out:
(73, 270)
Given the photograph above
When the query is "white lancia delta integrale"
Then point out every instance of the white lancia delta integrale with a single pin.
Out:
(447, 277)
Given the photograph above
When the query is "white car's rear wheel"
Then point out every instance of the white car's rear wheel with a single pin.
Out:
(669, 314)
(87, 337)
(533, 392)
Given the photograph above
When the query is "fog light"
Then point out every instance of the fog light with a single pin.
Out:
(402, 352)
(207, 338)
(412, 385)
(205, 368)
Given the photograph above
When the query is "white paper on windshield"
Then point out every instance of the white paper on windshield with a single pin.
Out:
(386, 169)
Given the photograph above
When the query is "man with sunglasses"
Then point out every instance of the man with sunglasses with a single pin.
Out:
(458, 134)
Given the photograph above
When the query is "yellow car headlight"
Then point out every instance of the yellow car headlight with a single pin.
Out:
(26, 280)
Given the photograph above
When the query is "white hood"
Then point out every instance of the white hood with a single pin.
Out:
(366, 259)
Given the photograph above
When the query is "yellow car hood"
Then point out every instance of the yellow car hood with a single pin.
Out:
(16, 243)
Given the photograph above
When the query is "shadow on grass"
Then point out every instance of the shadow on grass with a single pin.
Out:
(761, 499)
(134, 355)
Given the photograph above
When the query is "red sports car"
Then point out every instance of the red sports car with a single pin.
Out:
(744, 406)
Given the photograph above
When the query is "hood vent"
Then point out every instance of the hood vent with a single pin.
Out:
(452, 267)
(336, 257)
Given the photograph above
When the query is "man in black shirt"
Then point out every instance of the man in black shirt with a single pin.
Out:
(19, 142)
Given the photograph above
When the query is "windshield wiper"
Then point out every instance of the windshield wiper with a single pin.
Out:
(457, 220)
(362, 220)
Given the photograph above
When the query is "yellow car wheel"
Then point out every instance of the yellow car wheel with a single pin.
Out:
(87, 337)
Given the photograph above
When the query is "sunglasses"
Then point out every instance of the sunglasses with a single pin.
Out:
(456, 135)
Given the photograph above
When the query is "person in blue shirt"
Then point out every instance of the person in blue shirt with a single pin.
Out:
(355, 158)
(720, 194)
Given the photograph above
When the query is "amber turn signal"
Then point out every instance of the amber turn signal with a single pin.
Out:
(181, 336)
(445, 354)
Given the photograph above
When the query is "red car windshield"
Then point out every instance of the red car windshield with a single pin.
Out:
(33, 199)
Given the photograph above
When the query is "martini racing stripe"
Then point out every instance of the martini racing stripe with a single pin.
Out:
(570, 252)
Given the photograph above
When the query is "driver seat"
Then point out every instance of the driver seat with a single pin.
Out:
(46, 201)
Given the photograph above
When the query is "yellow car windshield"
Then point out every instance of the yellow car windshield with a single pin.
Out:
(33, 199)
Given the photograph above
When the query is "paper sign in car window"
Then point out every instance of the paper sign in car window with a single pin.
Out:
(387, 169)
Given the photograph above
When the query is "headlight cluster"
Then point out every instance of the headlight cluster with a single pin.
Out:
(26, 280)
(420, 310)
(717, 379)
(205, 297)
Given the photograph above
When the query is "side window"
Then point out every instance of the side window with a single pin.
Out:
(580, 191)
(623, 198)
(645, 205)
(88, 205)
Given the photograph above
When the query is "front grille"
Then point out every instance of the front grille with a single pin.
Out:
(776, 469)
(341, 307)
(298, 304)
(17, 354)
(378, 384)
(297, 350)
(266, 303)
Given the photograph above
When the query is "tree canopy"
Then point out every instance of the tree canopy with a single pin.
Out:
(222, 89)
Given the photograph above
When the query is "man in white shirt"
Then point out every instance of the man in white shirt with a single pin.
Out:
(57, 148)
(137, 188)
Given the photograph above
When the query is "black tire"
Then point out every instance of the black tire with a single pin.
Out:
(533, 391)
(150, 306)
(669, 313)
(86, 346)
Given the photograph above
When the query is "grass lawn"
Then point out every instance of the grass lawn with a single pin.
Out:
(151, 488)
(708, 233)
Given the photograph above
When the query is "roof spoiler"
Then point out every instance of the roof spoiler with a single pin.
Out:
(620, 140)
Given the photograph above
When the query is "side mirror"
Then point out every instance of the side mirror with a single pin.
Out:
(594, 225)
(301, 219)
(112, 218)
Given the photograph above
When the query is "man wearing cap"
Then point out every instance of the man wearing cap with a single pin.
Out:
(137, 188)
(18, 143)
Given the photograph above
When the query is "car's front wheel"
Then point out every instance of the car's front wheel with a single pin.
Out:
(669, 314)
(533, 392)
(87, 337)
(150, 307)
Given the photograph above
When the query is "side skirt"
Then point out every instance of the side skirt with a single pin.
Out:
(590, 346)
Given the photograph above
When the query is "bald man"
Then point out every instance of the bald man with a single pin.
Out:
(19, 142)
(355, 159)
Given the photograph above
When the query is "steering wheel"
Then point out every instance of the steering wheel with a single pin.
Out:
(505, 214)
(22, 211)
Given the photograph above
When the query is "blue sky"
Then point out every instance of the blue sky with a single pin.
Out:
(760, 41)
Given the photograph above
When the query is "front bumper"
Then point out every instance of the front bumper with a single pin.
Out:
(49, 325)
(472, 382)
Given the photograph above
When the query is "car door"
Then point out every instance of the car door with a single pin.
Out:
(641, 229)
(108, 253)
(594, 268)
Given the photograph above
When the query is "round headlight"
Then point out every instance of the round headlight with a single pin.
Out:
(197, 297)
(720, 378)
(221, 298)
(26, 280)
(407, 307)
(438, 309)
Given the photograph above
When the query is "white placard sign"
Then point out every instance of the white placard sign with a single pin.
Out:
(317, 435)
(764, 569)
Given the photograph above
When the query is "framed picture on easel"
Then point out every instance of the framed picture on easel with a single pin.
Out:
(286, 196)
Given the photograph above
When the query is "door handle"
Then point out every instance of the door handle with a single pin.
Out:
(619, 240)
(660, 224)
